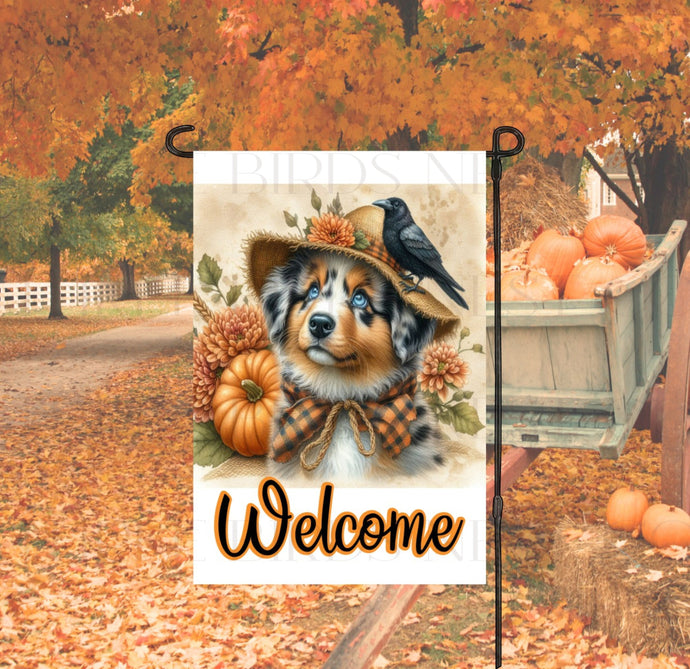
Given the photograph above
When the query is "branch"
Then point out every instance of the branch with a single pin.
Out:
(637, 189)
(470, 48)
(613, 186)
(262, 51)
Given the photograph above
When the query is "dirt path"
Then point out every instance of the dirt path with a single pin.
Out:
(60, 376)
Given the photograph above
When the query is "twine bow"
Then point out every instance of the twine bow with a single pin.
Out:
(324, 440)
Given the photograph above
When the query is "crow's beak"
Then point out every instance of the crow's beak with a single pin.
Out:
(384, 204)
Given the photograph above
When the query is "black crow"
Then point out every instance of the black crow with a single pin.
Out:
(413, 250)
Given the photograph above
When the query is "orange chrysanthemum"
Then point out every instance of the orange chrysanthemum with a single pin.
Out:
(204, 382)
(442, 366)
(332, 229)
(233, 331)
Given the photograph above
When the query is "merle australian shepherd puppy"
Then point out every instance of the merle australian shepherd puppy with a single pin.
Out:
(341, 332)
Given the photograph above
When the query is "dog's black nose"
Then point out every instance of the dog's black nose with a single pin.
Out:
(321, 325)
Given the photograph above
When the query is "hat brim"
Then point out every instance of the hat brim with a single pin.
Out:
(265, 251)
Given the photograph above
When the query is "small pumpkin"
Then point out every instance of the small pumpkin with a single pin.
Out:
(556, 253)
(528, 283)
(244, 402)
(664, 525)
(625, 509)
(589, 273)
(615, 236)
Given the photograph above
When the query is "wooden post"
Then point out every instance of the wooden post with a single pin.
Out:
(375, 624)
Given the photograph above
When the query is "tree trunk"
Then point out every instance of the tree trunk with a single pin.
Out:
(129, 291)
(55, 273)
(569, 166)
(190, 290)
(408, 14)
(665, 177)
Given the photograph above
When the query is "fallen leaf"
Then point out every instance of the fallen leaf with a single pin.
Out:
(674, 552)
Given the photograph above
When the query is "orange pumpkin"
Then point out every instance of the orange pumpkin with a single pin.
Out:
(625, 509)
(556, 253)
(664, 525)
(589, 273)
(528, 283)
(244, 402)
(615, 236)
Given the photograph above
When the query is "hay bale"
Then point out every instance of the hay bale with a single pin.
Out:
(630, 591)
(533, 196)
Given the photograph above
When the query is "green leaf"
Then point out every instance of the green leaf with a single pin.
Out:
(209, 450)
(290, 219)
(233, 295)
(209, 270)
(361, 241)
(307, 228)
(315, 201)
(465, 419)
(336, 207)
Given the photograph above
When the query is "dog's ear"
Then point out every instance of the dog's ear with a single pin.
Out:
(410, 331)
(277, 296)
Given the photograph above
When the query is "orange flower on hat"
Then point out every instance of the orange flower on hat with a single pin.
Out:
(233, 331)
(442, 366)
(332, 229)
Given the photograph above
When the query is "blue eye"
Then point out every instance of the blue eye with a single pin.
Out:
(360, 300)
(313, 292)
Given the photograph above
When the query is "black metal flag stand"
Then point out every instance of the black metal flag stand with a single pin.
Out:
(496, 154)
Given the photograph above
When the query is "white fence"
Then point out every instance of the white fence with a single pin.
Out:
(16, 296)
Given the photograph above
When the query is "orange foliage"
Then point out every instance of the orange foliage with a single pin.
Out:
(340, 74)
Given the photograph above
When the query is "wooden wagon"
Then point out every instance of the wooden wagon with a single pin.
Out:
(578, 373)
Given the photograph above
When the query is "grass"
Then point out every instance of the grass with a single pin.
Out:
(25, 332)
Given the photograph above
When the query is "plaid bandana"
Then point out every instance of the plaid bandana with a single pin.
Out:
(306, 417)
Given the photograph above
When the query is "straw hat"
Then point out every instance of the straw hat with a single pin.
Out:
(362, 239)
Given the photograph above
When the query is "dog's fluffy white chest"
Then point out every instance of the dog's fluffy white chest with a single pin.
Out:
(343, 459)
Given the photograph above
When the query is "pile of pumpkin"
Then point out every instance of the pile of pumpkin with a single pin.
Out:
(661, 525)
(569, 264)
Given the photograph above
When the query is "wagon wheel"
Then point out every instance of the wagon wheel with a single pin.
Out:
(675, 456)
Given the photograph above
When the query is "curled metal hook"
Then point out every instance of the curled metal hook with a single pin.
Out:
(170, 146)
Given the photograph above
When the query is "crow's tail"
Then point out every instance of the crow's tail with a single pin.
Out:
(450, 290)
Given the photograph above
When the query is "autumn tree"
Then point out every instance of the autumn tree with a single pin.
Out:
(434, 74)
(68, 71)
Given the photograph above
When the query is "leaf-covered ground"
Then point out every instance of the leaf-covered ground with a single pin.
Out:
(24, 332)
(96, 545)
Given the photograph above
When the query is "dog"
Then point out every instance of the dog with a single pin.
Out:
(345, 338)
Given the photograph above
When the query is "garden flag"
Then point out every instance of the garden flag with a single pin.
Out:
(339, 367)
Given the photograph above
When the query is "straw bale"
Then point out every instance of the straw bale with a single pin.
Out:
(628, 590)
(533, 196)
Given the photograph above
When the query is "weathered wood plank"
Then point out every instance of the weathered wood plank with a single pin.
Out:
(378, 619)
(560, 315)
(579, 358)
(526, 361)
(514, 461)
(575, 400)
